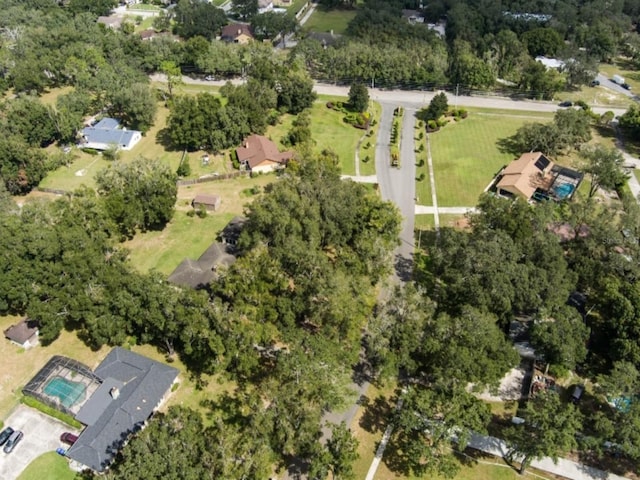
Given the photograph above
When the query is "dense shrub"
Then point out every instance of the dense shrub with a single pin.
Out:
(52, 412)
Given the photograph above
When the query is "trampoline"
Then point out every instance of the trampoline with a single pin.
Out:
(564, 190)
(69, 392)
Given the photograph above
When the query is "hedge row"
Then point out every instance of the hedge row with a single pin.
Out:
(52, 412)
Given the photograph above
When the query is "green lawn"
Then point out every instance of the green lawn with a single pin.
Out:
(295, 7)
(466, 156)
(188, 237)
(329, 131)
(426, 221)
(49, 466)
(327, 20)
(84, 168)
(143, 7)
(146, 24)
(184, 237)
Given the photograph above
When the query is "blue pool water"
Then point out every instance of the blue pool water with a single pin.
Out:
(67, 391)
(564, 190)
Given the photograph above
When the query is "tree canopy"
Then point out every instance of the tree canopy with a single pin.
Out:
(138, 195)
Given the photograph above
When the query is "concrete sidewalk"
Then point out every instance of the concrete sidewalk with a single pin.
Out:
(565, 468)
(428, 210)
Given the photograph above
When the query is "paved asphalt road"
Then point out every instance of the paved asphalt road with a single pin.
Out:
(398, 184)
(417, 99)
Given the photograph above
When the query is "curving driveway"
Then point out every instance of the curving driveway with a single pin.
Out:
(41, 435)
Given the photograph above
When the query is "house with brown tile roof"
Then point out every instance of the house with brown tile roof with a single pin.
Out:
(259, 154)
(522, 177)
(237, 33)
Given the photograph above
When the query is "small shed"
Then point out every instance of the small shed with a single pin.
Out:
(208, 202)
(24, 333)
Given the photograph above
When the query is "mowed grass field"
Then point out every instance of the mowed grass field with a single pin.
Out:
(82, 171)
(329, 131)
(49, 466)
(327, 20)
(188, 237)
(466, 155)
(84, 167)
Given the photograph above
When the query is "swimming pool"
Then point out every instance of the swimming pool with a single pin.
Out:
(67, 391)
(564, 190)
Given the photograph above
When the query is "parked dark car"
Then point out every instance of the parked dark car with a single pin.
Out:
(595, 83)
(14, 439)
(626, 86)
(69, 438)
(5, 434)
(566, 104)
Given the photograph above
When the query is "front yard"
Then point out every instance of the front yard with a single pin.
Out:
(330, 131)
(335, 21)
(466, 155)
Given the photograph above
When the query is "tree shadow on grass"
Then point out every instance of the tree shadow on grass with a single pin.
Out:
(510, 145)
(163, 137)
(395, 459)
(376, 414)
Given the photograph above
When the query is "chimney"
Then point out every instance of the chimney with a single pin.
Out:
(114, 392)
(239, 31)
(331, 31)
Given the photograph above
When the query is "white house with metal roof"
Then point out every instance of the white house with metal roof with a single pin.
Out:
(108, 133)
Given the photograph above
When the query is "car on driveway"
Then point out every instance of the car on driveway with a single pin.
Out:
(69, 438)
(5, 434)
(14, 439)
(626, 86)
(209, 78)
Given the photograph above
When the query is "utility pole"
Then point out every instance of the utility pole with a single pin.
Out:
(456, 100)
(373, 82)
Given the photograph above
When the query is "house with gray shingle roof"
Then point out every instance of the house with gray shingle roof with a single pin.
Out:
(133, 387)
(108, 133)
(200, 273)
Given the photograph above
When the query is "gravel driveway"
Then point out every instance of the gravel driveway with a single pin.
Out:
(41, 435)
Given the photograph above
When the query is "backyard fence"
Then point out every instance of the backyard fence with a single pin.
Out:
(212, 178)
(55, 191)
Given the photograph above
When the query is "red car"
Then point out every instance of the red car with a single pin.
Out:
(69, 438)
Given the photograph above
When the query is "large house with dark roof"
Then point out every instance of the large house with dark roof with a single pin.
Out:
(132, 388)
(107, 134)
(200, 273)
